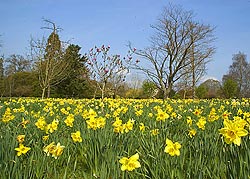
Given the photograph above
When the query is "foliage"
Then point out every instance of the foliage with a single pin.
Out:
(149, 89)
(230, 88)
(21, 84)
(209, 89)
(59, 138)
(76, 83)
(201, 91)
(47, 54)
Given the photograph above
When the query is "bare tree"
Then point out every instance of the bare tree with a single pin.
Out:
(17, 63)
(105, 68)
(117, 81)
(239, 72)
(51, 67)
(177, 37)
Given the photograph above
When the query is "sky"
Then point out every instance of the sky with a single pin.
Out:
(116, 22)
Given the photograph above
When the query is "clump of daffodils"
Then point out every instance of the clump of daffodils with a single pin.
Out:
(172, 148)
(7, 116)
(119, 127)
(131, 163)
(76, 136)
(54, 150)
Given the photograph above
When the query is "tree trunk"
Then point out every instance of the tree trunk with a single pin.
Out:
(103, 89)
(193, 72)
(48, 92)
(169, 89)
(184, 94)
(43, 92)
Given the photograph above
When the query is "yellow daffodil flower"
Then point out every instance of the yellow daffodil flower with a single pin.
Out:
(172, 148)
(22, 149)
(131, 163)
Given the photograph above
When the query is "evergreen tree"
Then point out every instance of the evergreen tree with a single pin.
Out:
(76, 83)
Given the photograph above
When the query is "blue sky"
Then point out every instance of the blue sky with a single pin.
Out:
(115, 22)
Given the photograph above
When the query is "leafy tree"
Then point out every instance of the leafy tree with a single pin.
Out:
(26, 84)
(230, 88)
(177, 38)
(21, 84)
(149, 89)
(201, 91)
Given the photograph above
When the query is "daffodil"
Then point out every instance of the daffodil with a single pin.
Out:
(100, 122)
(189, 121)
(142, 127)
(232, 132)
(131, 163)
(92, 123)
(22, 149)
(20, 138)
(69, 120)
(45, 138)
(154, 132)
(192, 133)
(162, 115)
(76, 136)
(7, 116)
(129, 125)
(201, 123)
(58, 150)
(41, 123)
(54, 150)
(172, 148)
(49, 148)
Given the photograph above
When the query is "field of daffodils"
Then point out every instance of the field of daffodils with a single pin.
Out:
(124, 138)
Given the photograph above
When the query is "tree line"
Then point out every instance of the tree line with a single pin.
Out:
(174, 63)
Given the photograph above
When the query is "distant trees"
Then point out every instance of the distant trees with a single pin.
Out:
(213, 88)
(17, 78)
(17, 63)
(14, 64)
(174, 62)
(239, 72)
(201, 91)
(54, 68)
(179, 43)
